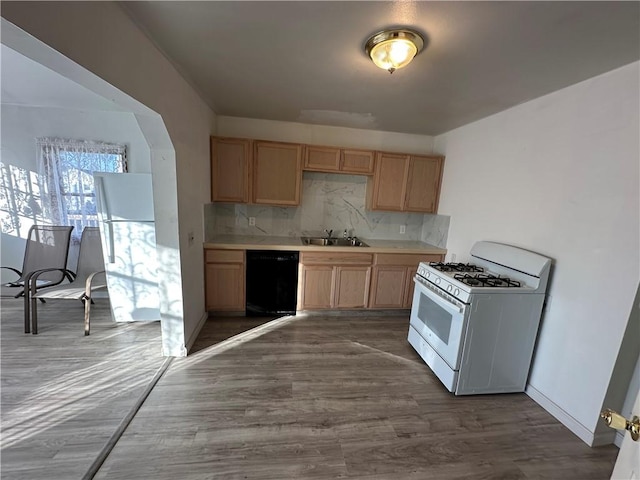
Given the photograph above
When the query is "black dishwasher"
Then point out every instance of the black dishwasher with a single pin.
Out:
(272, 282)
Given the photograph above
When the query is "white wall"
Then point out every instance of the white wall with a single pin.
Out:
(176, 123)
(560, 176)
(22, 125)
(323, 135)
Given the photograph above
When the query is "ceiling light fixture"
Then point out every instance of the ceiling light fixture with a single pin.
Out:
(393, 49)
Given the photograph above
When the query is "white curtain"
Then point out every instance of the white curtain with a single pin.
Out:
(66, 168)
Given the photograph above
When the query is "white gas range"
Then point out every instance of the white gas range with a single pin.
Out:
(475, 324)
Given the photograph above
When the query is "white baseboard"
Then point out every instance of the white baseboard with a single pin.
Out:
(582, 432)
(196, 331)
(605, 438)
(178, 351)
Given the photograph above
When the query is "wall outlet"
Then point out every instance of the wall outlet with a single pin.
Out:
(453, 257)
(403, 229)
(252, 221)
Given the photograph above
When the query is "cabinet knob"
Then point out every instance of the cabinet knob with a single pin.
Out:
(617, 421)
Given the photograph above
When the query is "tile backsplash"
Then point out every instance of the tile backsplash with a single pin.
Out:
(329, 201)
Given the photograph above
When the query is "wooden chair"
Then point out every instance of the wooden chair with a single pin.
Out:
(89, 277)
(47, 248)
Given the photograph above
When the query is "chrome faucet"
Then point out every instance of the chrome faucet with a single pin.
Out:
(328, 232)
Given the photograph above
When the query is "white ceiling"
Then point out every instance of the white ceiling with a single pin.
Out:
(267, 60)
(304, 61)
(24, 83)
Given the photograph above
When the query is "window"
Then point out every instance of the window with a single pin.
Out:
(67, 168)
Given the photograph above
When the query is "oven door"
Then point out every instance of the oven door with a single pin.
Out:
(441, 323)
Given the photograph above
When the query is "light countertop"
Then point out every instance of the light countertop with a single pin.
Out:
(260, 242)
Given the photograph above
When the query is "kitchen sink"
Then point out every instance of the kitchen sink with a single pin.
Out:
(333, 242)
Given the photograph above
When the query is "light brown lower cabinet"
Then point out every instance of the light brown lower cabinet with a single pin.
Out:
(326, 280)
(392, 279)
(388, 288)
(351, 287)
(225, 280)
(316, 287)
(333, 280)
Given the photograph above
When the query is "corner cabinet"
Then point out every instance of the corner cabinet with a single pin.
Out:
(277, 173)
(224, 280)
(334, 280)
(392, 279)
(405, 183)
(230, 163)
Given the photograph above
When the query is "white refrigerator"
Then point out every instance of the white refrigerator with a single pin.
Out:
(124, 204)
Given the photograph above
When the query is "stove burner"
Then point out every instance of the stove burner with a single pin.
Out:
(456, 267)
(485, 280)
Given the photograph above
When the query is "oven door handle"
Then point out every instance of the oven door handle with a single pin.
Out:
(437, 298)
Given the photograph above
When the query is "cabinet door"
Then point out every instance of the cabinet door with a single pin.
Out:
(409, 286)
(322, 159)
(389, 181)
(225, 286)
(423, 184)
(230, 169)
(357, 161)
(352, 287)
(316, 288)
(277, 173)
(388, 287)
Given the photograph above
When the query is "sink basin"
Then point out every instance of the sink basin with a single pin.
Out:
(333, 242)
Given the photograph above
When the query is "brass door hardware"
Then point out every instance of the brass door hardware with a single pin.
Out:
(617, 421)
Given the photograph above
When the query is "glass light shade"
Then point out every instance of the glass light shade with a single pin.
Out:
(393, 49)
(393, 54)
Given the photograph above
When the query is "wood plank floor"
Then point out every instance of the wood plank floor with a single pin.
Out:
(300, 397)
(63, 394)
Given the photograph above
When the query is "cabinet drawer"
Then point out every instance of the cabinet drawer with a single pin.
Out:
(224, 256)
(337, 258)
(405, 259)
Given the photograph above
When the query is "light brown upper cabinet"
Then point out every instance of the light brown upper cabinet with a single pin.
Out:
(423, 184)
(357, 161)
(339, 160)
(389, 182)
(321, 159)
(230, 161)
(277, 173)
(405, 183)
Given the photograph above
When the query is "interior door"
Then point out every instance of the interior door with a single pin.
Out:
(627, 465)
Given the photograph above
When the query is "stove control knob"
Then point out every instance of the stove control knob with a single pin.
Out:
(449, 288)
(457, 292)
(437, 281)
(428, 274)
